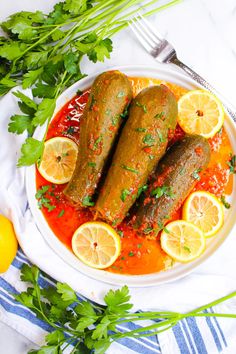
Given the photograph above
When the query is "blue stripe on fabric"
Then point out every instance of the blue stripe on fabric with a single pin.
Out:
(188, 337)
(180, 340)
(131, 326)
(136, 346)
(22, 311)
(191, 321)
(219, 328)
(22, 259)
(151, 341)
(25, 314)
(213, 332)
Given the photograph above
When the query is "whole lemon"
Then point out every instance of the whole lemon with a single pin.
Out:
(8, 244)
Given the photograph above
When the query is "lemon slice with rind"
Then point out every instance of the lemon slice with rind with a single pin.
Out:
(205, 211)
(96, 244)
(200, 112)
(183, 241)
(58, 160)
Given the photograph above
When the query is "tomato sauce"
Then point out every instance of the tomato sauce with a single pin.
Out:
(139, 255)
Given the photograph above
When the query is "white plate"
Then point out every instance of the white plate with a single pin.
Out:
(162, 72)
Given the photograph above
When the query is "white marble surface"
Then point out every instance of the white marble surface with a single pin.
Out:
(203, 33)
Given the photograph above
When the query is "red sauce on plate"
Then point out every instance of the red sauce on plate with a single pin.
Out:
(139, 255)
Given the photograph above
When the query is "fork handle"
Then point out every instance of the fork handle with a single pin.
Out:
(227, 105)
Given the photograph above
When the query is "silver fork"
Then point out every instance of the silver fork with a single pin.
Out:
(164, 52)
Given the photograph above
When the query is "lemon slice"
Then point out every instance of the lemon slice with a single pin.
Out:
(58, 160)
(183, 241)
(200, 112)
(96, 244)
(204, 210)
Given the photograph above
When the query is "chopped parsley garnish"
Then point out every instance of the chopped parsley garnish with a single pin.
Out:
(97, 141)
(143, 106)
(159, 115)
(141, 130)
(43, 201)
(87, 201)
(162, 227)
(160, 191)
(148, 140)
(91, 164)
(224, 202)
(124, 194)
(232, 164)
(120, 94)
(151, 157)
(139, 245)
(148, 230)
(62, 212)
(141, 189)
(161, 138)
(131, 254)
(130, 169)
(115, 120)
(121, 233)
(126, 112)
(195, 174)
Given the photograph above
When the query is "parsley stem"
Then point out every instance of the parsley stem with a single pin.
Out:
(213, 303)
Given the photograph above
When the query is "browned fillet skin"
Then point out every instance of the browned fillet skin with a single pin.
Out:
(142, 143)
(178, 171)
(110, 94)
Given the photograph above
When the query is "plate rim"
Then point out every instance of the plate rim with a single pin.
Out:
(65, 254)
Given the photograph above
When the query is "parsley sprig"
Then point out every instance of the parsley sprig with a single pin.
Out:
(89, 326)
(44, 51)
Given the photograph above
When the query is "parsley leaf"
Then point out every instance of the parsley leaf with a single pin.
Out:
(149, 140)
(31, 77)
(117, 301)
(67, 293)
(101, 51)
(224, 202)
(232, 164)
(141, 190)
(54, 337)
(124, 194)
(163, 190)
(20, 123)
(44, 112)
(130, 169)
(195, 174)
(31, 151)
(87, 201)
(143, 106)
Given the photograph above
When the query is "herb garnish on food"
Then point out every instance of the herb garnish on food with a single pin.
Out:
(224, 202)
(160, 191)
(87, 201)
(149, 140)
(43, 201)
(94, 327)
(232, 164)
(195, 174)
(130, 169)
(143, 106)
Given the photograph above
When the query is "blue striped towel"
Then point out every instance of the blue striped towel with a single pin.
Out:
(209, 282)
(190, 336)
